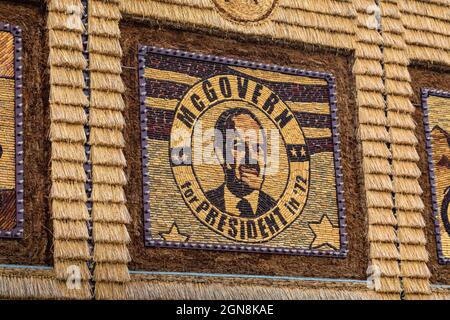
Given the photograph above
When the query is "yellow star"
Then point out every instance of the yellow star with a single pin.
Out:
(325, 234)
(174, 234)
(303, 152)
(294, 152)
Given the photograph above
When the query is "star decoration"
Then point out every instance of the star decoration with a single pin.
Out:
(303, 152)
(174, 234)
(325, 234)
(294, 152)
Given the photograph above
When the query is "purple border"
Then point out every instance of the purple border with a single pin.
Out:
(17, 232)
(426, 93)
(149, 242)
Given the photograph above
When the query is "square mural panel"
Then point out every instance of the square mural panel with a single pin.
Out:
(436, 111)
(239, 156)
(11, 144)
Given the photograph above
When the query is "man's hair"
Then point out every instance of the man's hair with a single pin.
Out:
(224, 123)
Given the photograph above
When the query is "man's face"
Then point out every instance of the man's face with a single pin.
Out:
(246, 155)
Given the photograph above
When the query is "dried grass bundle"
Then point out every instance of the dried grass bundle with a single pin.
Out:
(111, 253)
(107, 156)
(107, 82)
(62, 5)
(70, 230)
(396, 72)
(68, 114)
(314, 20)
(67, 77)
(396, 56)
(399, 103)
(436, 9)
(408, 202)
(373, 133)
(381, 250)
(370, 36)
(110, 233)
(393, 25)
(406, 169)
(376, 166)
(403, 136)
(401, 120)
(62, 151)
(413, 252)
(110, 291)
(438, 56)
(103, 45)
(64, 21)
(110, 119)
(69, 210)
(67, 95)
(71, 250)
(371, 100)
(101, 9)
(167, 288)
(410, 219)
(367, 67)
(413, 269)
(330, 7)
(67, 58)
(73, 191)
(65, 40)
(379, 233)
(104, 27)
(368, 51)
(108, 193)
(404, 153)
(67, 171)
(65, 132)
(392, 40)
(63, 269)
(416, 286)
(369, 83)
(375, 149)
(412, 236)
(371, 116)
(106, 137)
(390, 285)
(377, 182)
(379, 199)
(29, 287)
(426, 24)
(111, 272)
(381, 216)
(104, 63)
(107, 100)
(427, 39)
(108, 175)
(110, 212)
(388, 268)
(407, 185)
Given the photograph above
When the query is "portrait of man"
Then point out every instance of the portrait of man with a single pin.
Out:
(441, 147)
(445, 210)
(243, 160)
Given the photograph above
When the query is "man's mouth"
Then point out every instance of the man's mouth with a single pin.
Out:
(249, 169)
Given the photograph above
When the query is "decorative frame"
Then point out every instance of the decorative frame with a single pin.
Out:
(425, 94)
(17, 231)
(149, 242)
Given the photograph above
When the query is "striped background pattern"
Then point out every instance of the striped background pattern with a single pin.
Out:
(169, 78)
